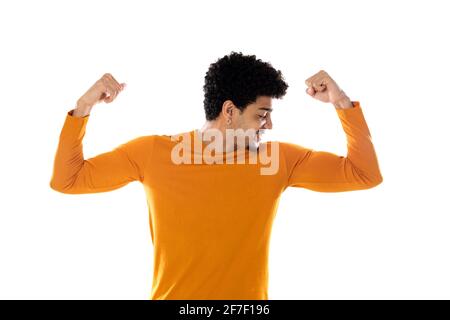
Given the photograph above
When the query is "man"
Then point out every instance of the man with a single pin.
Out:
(211, 215)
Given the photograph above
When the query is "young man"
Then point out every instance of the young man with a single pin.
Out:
(211, 203)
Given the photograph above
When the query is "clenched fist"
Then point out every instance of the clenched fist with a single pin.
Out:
(105, 89)
(323, 88)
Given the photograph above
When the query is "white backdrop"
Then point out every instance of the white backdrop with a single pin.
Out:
(390, 242)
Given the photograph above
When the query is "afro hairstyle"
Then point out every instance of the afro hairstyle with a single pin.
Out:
(241, 79)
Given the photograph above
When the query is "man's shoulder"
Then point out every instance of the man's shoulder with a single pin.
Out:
(285, 145)
(160, 139)
(170, 137)
(288, 149)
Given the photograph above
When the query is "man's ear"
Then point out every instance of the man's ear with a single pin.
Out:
(227, 108)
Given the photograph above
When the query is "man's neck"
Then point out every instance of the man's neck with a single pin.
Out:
(212, 125)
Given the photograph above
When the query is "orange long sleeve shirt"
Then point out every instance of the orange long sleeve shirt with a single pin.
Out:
(211, 223)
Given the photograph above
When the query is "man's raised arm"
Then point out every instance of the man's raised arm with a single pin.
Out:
(327, 172)
(111, 170)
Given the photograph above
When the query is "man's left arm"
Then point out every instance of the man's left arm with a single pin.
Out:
(326, 171)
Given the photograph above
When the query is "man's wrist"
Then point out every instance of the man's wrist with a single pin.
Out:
(81, 111)
(343, 103)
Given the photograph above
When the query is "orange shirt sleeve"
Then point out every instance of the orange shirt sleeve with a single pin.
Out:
(111, 170)
(327, 172)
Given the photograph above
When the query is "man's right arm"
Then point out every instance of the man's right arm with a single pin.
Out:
(107, 171)
(72, 174)
(80, 111)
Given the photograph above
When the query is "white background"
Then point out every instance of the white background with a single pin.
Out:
(390, 242)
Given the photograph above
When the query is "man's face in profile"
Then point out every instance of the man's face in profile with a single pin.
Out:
(255, 118)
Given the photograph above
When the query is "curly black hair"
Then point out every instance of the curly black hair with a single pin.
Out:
(241, 79)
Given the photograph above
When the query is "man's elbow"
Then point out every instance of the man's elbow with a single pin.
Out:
(59, 188)
(55, 187)
(375, 181)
